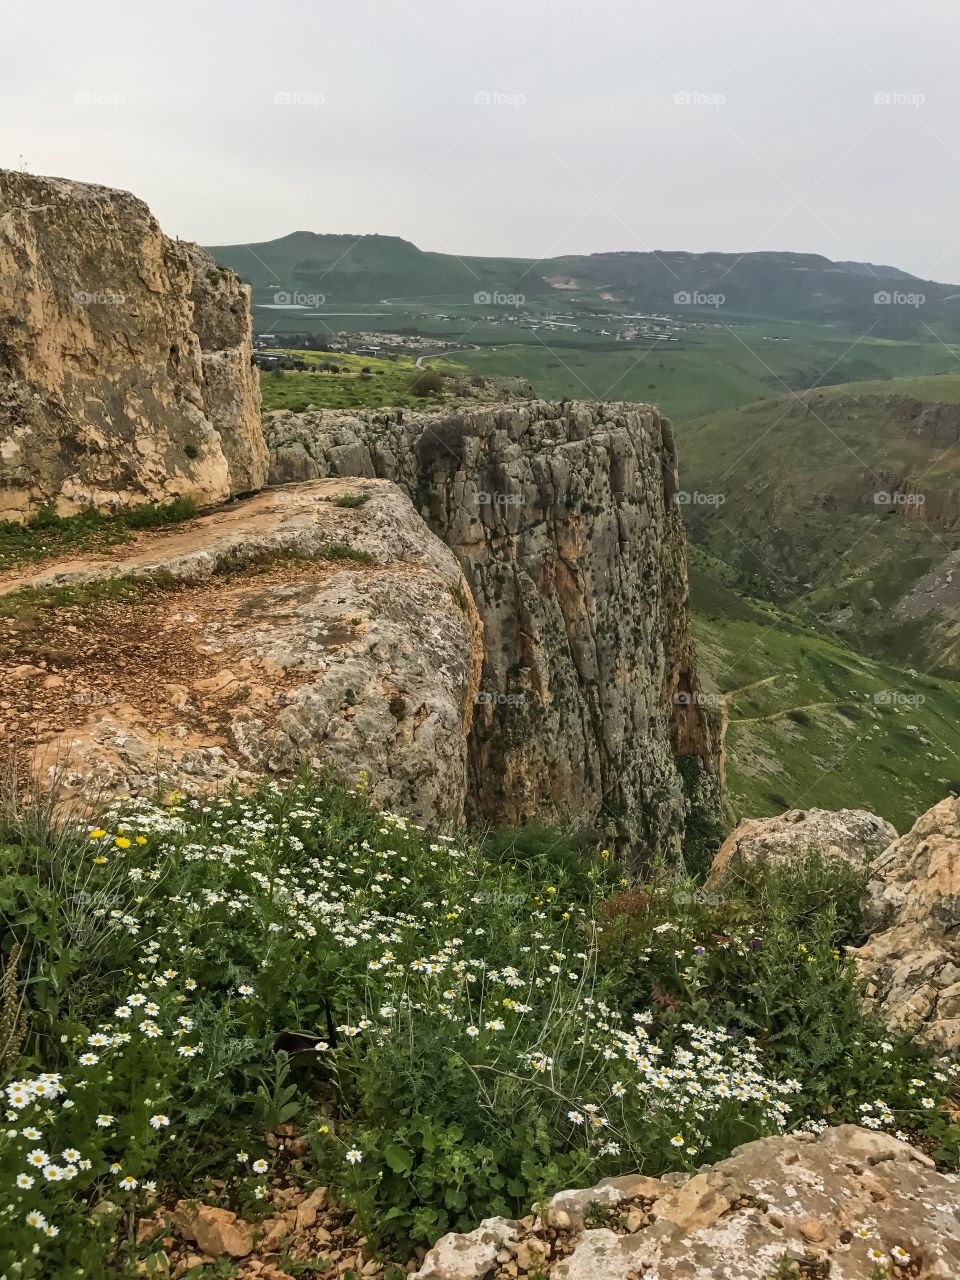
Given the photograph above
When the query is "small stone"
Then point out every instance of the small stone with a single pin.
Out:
(216, 1231)
(812, 1229)
(636, 1218)
(148, 1227)
(532, 1253)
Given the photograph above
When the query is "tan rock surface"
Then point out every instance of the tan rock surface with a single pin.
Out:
(911, 963)
(281, 629)
(126, 357)
(822, 1202)
(215, 1231)
(854, 836)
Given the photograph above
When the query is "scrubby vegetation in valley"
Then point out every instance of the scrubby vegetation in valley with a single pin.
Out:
(344, 381)
(453, 1027)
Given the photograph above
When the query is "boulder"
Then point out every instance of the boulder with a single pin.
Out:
(125, 357)
(215, 1231)
(911, 963)
(471, 1255)
(853, 836)
(281, 630)
(822, 1203)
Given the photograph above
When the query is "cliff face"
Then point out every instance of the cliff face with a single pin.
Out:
(125, 371)
(562, 518)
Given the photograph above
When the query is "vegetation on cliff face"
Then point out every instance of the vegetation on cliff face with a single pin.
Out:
(505, 1018)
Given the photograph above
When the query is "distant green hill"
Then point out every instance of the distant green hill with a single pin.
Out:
(810, 722)
(842, 505)
(367, 269)
(771, 286)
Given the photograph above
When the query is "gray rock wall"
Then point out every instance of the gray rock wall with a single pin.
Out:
(562, 518)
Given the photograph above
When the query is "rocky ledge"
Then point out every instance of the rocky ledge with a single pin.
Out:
(911, 964)
(281, 630)
(562, 517)
(848, 1205)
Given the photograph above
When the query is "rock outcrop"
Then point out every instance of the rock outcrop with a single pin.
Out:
(911, 964)
(125, 357)
(563, 520)
(854, 836)
(279, 630)
(850, 1205)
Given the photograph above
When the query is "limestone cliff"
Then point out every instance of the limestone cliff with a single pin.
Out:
(562, 518)
(125, 357)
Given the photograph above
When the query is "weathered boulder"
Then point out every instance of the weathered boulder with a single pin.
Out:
(911, 964)
(848, 1204)
(854, 836)
(125, 357)
(563, 520)
(282, 629)
(218, 1232)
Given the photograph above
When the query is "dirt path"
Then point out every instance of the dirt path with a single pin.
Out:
(251, 516)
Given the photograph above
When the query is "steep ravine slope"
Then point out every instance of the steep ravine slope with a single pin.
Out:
(125, 357)
(845, 504)
(563, 520)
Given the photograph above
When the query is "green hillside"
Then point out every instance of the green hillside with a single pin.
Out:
(347, 382)
(812, 723)
(777, 287)
(714, 368)
(844, 504)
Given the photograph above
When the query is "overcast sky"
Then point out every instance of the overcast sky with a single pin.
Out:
(620, 124)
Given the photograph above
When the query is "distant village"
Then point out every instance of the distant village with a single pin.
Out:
(272, 350)
(652, 327)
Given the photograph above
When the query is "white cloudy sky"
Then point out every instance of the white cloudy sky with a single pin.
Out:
(782, 147)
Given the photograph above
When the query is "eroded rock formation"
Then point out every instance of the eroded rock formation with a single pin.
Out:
(279, 630)
(562, 518)
(125, 357)
(854, 836)
(797, 1205)
(911, 964)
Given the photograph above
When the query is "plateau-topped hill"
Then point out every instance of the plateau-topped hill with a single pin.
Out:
(125, 357)
(774, 286)
(843, 503)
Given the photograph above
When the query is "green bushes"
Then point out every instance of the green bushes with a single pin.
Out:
(47, 534)
(507, 1019)
(769, 958)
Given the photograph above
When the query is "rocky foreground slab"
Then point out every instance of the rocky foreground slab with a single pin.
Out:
(849, 1205)
(282, 629)
(911, 963)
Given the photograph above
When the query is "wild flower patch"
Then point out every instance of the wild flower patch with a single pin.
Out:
(453, 1033)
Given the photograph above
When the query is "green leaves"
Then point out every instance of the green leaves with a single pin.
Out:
(400, 1159)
